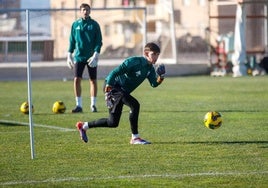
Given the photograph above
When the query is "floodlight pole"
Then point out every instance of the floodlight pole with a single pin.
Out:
(170, 8)
(144, 28)
(29, 81)
(173, 34)
(266, 26)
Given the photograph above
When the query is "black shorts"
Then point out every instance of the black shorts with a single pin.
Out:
(79, 69)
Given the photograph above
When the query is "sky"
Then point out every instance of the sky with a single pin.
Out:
(39, 21)
(35, 3)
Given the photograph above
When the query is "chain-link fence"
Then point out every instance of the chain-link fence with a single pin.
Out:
(122, 30)
(221, 32)
(124, 33)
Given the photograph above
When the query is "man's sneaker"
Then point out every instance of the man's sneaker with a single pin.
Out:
(139, 141)
(83, 135)
(93, 108)
(77, 109)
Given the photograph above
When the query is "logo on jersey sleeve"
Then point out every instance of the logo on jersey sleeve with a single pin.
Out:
(138, 73)
(90, 27)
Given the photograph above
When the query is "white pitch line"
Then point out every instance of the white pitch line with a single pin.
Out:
(53, 180)
(54, 127)
(37, 125)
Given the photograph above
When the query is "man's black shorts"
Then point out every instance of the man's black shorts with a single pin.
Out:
(79, 69)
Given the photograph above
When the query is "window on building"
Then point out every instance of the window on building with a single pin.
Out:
(151, 26)
(128, 3)
(62, 5)
(107, 30)
(118, 29)
(202, 2)
(151, 9)
(127, 34)
(186, 2)
(150, 2)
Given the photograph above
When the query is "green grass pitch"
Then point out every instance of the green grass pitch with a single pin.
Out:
(183, 153)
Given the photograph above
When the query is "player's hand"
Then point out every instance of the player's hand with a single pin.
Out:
(109, 100)
(108, 96)
(161, 70)
(70, 62)
(107, 88)
(93, 60)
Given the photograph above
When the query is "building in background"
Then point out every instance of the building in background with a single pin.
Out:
(13, 31)
(10, 22)
(197, 26)
(123, 29)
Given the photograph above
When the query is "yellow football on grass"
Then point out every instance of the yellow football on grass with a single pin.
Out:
(24, 108)
(58, 107)
(213, 120)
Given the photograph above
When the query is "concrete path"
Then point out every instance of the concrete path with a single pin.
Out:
(58, 70)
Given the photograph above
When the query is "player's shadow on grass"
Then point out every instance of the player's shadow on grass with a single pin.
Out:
(226, 142)
(69, 113)
(186, 111)
(52, 114)
(263, 144)
(6, 123)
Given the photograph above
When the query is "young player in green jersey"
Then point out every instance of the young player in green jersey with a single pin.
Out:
(119, 84)
(85, 42)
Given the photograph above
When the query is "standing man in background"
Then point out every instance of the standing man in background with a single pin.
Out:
(86, 42)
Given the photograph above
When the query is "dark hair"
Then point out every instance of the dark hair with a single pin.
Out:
(152, 47)
(84, 5)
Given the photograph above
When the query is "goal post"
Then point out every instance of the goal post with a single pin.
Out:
(29, 83)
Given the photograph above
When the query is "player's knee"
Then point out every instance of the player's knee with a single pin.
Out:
(113, 123)
(135, 108)
(77, 80)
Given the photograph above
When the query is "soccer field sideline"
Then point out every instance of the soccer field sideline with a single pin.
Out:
(145, 176)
